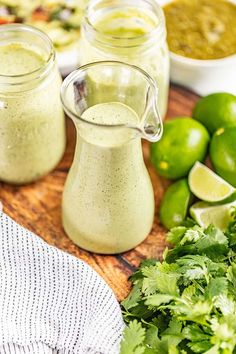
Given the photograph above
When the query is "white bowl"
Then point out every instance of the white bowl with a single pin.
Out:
(203, 76)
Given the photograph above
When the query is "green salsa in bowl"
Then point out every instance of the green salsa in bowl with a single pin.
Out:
(201, 36)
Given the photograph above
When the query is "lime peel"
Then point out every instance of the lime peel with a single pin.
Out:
(174, 205)
(207, 185)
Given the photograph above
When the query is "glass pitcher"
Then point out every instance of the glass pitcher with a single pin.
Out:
(108, 200)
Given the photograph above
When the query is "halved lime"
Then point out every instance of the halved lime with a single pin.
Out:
(218, 215)
(207, 185)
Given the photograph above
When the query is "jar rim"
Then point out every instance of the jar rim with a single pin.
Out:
(41, 71)
(133, 41)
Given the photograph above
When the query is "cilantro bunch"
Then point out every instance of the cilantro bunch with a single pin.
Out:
(187, 303)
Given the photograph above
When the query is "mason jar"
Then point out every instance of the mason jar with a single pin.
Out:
(131, 31)
(32, 125)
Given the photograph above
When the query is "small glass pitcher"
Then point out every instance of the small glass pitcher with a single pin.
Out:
(108, 201)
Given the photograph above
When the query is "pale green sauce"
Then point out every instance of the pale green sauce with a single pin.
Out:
(16, 60)
(129, 24)
(108, 202)
(111, 113)
(32, 128)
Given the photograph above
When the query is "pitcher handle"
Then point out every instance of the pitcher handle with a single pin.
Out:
(152, 127)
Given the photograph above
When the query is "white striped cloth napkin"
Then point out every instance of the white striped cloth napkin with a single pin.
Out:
(51, 302)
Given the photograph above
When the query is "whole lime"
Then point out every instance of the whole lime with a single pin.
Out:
(216, 111)
(223, 153)
(175, 203)
(184, 142)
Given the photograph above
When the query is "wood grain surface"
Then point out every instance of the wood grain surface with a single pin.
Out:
(38, 208)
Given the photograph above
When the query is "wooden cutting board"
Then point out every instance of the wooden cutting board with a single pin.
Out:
(38, 208)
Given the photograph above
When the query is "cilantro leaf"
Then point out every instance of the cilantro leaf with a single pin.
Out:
(200, 347)
(175, 235)
(214, 244)
(173, 334)
(158, 299)
(216, 287)
(138, 274)
(192, 235)
(133, 339)
(152, 340)
(231, 274)
(194, 267)
(161, 278)
(133, 298)
(195, 333)
(225, 304)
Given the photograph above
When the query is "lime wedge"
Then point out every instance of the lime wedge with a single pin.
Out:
(207, 185)
(206, 214)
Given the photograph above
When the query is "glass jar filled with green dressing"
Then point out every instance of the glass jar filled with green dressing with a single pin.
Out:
(32, 125)
(131, 31)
